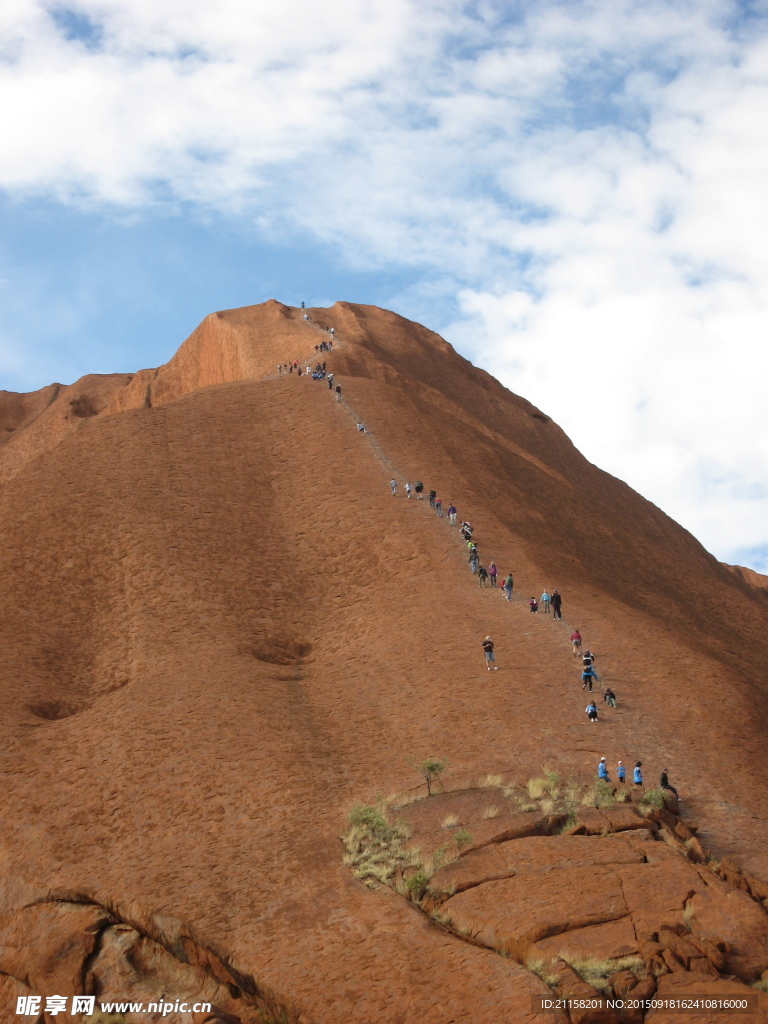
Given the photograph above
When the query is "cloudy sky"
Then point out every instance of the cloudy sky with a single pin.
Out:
(574, 194)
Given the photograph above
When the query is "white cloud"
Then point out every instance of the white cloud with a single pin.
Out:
(585, 181)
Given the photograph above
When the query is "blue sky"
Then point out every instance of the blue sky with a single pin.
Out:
(572, 193)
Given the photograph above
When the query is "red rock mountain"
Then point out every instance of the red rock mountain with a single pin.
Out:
(221, 631)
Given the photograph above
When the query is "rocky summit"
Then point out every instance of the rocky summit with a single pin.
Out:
(254, 763)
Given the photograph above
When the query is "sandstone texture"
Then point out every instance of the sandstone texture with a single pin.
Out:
(221, 631)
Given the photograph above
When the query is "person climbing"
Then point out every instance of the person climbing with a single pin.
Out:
(587, 677)
(452, 514)
(664, 782)
(407, 489)
(545, 603)
(576, 641)
(439, 506)
(533, 604)
(332, 332)
(474, 561)
(393, 485)
(471, 546)
(419, 487)
(330, 382)
(338, 392)
(432, 496)
(508, 584)
(492, 573)
(298, 371)
(602, 769)
(621, 773)
(556, 602)
(587, 658)
(360, 427)
(609, 697)
(482, 576)
(591, 711)
(637, 774)
(279, 369)
(490, 657)
(306, 316)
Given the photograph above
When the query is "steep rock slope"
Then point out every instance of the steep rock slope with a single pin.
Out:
(221, 631)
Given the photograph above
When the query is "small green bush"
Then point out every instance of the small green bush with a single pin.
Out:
(654, 798)
(463, 837)
(417, 884)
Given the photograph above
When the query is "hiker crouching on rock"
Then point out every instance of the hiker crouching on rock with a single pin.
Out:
(664, 782)
(591, 711)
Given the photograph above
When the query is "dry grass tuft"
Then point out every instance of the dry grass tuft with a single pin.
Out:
(539, 967)
(546, 805)
(596, 970)
(488, 781)
(450, 821)
(491, 812)
(403, 798)
(536, 788)
(688, 913)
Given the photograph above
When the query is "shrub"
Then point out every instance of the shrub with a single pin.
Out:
(431, 768)
(374, 846)
(653, 798)
(600, 794)
(416, 884)
(450, 821)
(463, 838)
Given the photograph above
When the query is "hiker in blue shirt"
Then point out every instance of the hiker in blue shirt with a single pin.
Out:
(621, 773)
(637, 775)
(602, 769)
(545, 602)
(587, 676)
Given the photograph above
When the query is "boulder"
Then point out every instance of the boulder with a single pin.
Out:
(622, 982)
(63, 936)
(683, 950)
(671, 802)
(568, 984)
(730, 918)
